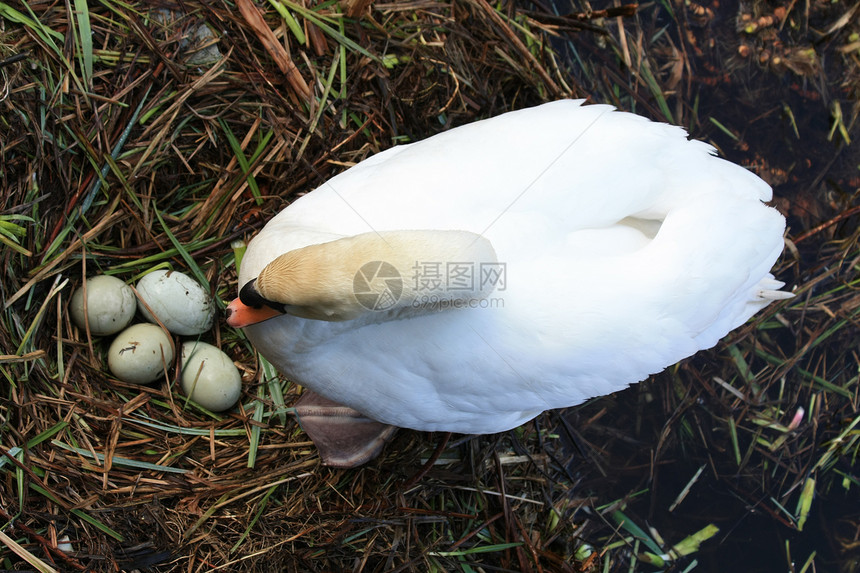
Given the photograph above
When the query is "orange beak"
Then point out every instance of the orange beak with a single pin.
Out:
(240, 315)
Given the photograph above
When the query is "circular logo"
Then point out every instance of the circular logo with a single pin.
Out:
(377, 285)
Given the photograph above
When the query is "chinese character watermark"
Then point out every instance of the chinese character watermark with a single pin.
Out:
(458, 276)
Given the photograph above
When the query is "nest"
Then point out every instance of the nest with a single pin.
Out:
(137, 135)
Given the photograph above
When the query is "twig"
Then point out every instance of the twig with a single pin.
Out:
(254, 19)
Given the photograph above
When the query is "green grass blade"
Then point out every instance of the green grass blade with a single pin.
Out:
(262, 506)
(291, 22)
(257, 416)
(317, 19)
(244, 164)
(805, 502)
(276, 394)
(98, 524)
(625, 522)
(723, 128)
(646, 74)
(123, 137)
(47, 35)
(50, 432)
(479, 549)
(78, 513)
(692, 543)
(186, 431)
(189, 260)
(207, 514)
(85, 35)
(120, 461)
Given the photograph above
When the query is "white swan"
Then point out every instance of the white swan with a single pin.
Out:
(544, 257)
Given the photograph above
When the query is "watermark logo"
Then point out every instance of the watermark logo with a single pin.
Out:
(377, 285)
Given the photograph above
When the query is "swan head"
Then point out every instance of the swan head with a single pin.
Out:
(297, 283)
(354, 276)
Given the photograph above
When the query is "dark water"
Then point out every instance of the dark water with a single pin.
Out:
(751, 539)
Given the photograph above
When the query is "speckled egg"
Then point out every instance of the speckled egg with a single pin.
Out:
(110, 305)
(209, 377)
(179, 302)
(140, 354)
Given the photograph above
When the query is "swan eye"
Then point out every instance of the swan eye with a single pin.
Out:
(250, 296)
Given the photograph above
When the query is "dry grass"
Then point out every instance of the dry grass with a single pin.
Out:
(125, 144)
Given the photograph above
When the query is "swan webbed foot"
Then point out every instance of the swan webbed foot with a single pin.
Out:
(344, 437)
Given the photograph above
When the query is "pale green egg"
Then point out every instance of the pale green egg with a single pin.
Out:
(179, 302)
(140, 354)
(110, 305)
(209, 377)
